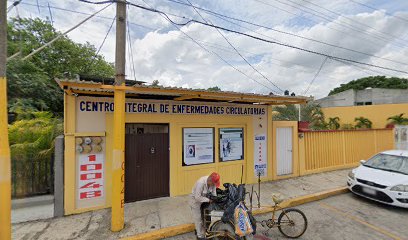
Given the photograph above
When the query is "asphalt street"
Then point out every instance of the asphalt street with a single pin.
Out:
(343, 217)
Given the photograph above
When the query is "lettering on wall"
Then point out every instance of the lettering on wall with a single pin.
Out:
(260, 161)
(170, 108)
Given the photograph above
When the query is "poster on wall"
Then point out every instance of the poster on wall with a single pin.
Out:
(260, 153)
(231, 144)
(90, 176)
(198, 146)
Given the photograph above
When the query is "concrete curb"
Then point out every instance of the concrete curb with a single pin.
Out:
(186, 228)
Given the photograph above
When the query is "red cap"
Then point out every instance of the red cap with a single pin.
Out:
(215, 177)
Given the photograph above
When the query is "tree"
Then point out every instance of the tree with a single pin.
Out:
(363, 123)
(398, 119)
(373, 82)
(155, 83)
(310, 112)
(333, 123)
(32, 141)
(214, 89)
(33, 79)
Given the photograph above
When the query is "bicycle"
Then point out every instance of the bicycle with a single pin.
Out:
(288, 221)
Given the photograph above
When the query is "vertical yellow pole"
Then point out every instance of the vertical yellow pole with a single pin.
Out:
(118, 174)
(5, 171)
(118, 164)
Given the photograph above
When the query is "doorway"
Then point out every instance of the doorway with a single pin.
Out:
(146, 161)
(284, 148)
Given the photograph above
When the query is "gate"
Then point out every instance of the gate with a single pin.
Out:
(284, 148)
(146, 162)
(401, 137)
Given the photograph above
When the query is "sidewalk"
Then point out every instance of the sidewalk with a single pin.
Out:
(32, 208)
(150, 215)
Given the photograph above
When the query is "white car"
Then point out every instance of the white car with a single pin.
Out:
(382, 178)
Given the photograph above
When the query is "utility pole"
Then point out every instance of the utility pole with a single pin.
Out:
(5, 171)
(118, 165)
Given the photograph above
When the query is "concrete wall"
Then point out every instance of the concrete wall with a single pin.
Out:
(375, 96)
(346, 98)
(378, 114)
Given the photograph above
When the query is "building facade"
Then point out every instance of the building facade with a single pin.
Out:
(173, 136)
(369, 96)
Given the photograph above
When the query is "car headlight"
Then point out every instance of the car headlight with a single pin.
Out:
(351, 175)
(400, 188)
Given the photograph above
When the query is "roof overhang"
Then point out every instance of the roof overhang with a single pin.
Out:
(90, 88)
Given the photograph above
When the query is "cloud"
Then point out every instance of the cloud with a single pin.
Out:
(168, 55)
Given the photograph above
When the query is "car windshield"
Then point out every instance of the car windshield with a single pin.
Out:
(389, 163)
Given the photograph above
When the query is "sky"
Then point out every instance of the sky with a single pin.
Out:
(197, 56)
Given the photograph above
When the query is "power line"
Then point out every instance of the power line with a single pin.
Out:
(100, 46)
(342, 23)
(376, 9)
(201, 46)
(225, 38)
(225, 17)
(212, 45)
(315, 76)
(352, 20)
(130, 49)
(319, 14)
(264, 40)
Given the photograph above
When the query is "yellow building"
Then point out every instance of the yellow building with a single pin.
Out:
(378, 114)
(173, 136)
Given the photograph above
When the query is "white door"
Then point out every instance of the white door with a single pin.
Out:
(284, 150)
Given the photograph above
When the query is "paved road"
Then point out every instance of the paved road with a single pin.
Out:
(346, 217)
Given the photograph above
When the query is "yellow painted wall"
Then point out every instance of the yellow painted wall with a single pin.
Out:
(182, 178)
(378, 114)
(330, 150)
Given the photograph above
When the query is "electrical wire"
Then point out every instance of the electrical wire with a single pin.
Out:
(340, 22)
(352, 20)
(315, 76)
(14, 4)
(235, 49)
(100, 46)
(265, 40)
(130, 49)
(319, 15)
(376, 9)
(212, 45)
(209, 51)
(225, 17)
(254, 37)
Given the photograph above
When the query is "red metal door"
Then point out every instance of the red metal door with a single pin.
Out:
(146, 166)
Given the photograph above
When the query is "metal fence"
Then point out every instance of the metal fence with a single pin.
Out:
(330, 150)
(32, 177)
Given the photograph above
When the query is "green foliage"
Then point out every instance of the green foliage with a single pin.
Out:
(398, 119)
(333, 123)
(373, 82)
(155, 83)
(31, 82)
(214, 89)
(34, 138)
(363, 123)
(310, 112)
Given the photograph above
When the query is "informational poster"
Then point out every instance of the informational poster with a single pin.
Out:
(198, 145)
(231, 144)
(260, 153)
(90, 176)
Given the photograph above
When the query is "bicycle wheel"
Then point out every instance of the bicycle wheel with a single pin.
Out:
(292, 223)
(220, 226)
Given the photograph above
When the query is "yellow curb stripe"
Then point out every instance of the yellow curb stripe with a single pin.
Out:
(186, 228)
(163, 233)
(378, 229)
